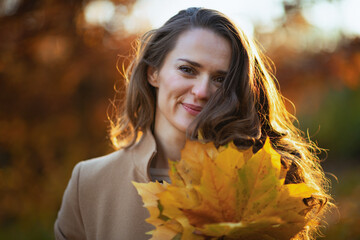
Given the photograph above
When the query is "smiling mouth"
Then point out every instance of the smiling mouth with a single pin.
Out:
(192, 109)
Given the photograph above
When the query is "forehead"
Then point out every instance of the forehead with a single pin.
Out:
(203, 46)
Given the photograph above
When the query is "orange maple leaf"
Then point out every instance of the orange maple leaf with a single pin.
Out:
(225, 193)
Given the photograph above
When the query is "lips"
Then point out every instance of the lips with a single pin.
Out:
(192, 109)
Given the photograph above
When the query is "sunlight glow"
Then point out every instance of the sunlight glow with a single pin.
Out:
(99, 12)
(324, 15)
(339, 16)
(244, 13)
(8, 7)
(330, 19)
(351, 17)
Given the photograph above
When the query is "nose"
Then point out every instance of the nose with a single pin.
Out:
(201, 88)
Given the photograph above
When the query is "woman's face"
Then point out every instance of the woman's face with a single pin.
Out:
(189, 75)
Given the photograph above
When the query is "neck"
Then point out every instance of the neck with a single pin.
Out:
(169, 145)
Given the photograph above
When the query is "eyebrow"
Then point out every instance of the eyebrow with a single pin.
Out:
(196, 64)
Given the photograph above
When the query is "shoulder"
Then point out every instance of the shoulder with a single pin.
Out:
(97, 186)
(120, 162)
(104, 162)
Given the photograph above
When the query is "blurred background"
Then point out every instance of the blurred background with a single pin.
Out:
(58, 69)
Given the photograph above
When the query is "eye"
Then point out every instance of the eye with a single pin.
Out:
(187, 70)
(219, 79)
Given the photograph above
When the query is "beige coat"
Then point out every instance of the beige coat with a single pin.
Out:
(100, 201)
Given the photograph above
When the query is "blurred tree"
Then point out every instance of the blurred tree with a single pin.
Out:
(323, 83)
(57, 73)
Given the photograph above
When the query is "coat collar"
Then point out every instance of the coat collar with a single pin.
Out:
(143, 152)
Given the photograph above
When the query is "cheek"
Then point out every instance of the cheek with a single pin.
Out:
(213, 89)
(174, 87)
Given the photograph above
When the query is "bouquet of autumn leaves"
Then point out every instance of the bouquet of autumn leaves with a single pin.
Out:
(225, 193)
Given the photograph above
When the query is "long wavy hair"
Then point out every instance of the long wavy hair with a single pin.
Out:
(246, 109)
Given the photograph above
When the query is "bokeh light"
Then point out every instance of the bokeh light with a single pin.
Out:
(99, 12)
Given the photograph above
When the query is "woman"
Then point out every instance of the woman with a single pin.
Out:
(197, 73)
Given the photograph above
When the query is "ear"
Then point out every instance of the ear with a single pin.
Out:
(152, 76)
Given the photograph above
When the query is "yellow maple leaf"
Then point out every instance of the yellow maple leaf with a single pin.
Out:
(226, 193)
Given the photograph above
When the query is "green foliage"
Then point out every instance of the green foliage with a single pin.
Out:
(337, 119)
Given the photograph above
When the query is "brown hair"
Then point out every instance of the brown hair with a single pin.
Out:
(247, 109)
